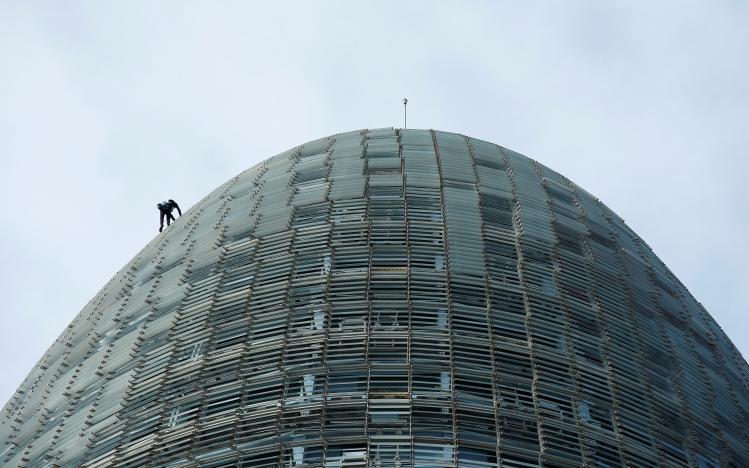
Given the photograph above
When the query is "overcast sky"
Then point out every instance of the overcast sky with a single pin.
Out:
(109, 107)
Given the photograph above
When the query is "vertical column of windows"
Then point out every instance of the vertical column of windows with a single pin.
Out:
(522, 430)
(709, 435)
(687, 386)
(346, 405)
(630, 403)
(512, 364)
(430, 351)
(300, 428)
(221, 375)
(447, 380)
(263, 385)
(261, 413)
(344, 418)
(593, 399)
(226, 353)
(471, 343)
(478, 416)
(409, 329)
(653, 360)
(672, 421)
(388, 408)
(242, 265)
(683, 327)
(565, 438)
(368, 320)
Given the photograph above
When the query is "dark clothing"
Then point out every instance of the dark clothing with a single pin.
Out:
(169, 219)
(165, 210)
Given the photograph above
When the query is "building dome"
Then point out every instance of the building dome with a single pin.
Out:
(388, 298)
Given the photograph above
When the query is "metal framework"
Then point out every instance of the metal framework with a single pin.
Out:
(389, 298)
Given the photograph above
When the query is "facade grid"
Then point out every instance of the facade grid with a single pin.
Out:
(388, 298)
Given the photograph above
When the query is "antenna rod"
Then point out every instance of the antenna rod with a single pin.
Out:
(405, 114)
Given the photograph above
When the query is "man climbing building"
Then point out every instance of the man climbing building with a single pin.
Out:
(165, 209)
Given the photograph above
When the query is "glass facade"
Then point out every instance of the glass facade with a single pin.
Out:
(388, 298)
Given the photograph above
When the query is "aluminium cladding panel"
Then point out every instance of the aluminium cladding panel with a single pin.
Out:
(392, 298)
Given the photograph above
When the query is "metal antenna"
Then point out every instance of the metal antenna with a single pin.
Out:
(405, 114)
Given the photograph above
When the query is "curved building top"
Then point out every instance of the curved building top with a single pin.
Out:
(393, 298)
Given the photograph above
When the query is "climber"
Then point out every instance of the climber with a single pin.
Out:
(165, 209)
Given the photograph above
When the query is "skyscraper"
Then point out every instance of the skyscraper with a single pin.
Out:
(388, 298)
